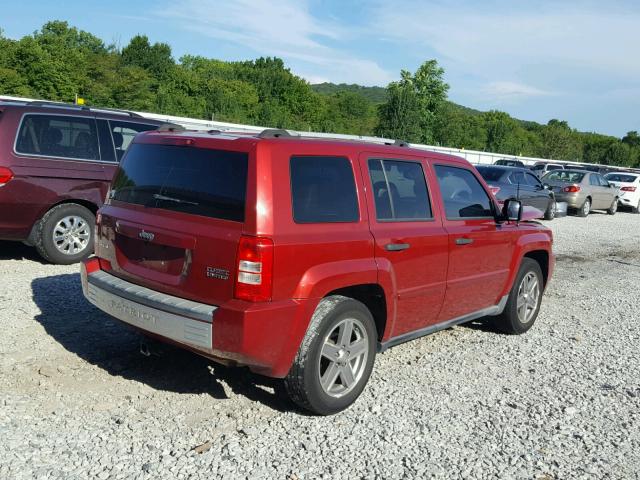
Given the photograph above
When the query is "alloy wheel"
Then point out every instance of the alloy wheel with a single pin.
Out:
(71, 235)
(343, 357)
(528, 296)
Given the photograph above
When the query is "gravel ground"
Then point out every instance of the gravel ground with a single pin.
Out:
(562, 401)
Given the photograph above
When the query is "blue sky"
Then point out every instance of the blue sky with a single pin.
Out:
(573, 60)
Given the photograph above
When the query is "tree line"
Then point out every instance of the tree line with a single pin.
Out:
(59, 61)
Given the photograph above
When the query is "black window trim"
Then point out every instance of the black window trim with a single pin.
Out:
(355, 187)
(426, 183)
(489, 195)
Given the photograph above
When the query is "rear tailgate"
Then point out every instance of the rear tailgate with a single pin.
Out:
(173, 220)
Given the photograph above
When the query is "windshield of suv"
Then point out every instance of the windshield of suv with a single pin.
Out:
(565, 176)
(198, 181)
(618, 177)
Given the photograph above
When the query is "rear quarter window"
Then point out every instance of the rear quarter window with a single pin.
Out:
(62, 136)
(323, 190)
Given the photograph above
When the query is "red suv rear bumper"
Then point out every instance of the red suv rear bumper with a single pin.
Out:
(263, 336)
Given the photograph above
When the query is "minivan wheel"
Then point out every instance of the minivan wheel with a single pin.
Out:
(523, 303)
(613, 208)
(65, 234)
(585, 209)
(335, 358)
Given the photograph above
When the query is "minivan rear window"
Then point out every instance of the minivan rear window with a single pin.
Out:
(197, 181)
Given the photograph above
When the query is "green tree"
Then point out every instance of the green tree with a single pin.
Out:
(558, 141)
(632, 139)
(413, 104)
(156, 58)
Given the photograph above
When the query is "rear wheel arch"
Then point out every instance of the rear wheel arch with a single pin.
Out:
(372, 296)
(92, 207)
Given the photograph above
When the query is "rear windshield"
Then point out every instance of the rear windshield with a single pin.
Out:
(198, 181)
(564, 176)
(617, 177)
(491, 174)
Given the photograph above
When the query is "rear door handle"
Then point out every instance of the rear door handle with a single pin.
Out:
(464, 241)
(396, 247)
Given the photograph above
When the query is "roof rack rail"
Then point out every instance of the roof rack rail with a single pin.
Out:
(170, 127)
(398, 143)
(48, 103)
(275, 133)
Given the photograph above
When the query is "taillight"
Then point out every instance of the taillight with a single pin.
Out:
(494, 190)
(255, 269)
(628, 189)
(5, 175)
(571, 189)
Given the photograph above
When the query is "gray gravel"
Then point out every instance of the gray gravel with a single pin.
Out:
(562, 401)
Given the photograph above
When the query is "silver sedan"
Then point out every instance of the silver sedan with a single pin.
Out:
(583, 191)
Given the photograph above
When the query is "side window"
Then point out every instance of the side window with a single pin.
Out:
(399, 190)
(124, 132)
(462, 193)
(58, 136)
(517, 178)
(603, 181)
(593, 180)
(533, 180)
(323, 190)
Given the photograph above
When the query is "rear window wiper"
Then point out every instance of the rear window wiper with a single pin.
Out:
(157, 196)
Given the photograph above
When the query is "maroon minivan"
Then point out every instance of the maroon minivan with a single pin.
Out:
(56, 162)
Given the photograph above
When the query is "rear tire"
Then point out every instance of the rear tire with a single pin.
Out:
(613, 208)
(524, 300)
(64, 235)
(335, 358)
(585, 209)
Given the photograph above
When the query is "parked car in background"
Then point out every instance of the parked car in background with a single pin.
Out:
(56, 161)
(263, 250)
(509, 162)
(541, 168)
(519, 183)
(629, 189)
(583, 191)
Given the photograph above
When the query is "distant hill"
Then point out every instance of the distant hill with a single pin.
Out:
(375, 95)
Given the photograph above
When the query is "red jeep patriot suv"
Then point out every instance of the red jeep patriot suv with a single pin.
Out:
(301, 258)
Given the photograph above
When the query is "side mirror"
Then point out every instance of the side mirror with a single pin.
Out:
(512, 210)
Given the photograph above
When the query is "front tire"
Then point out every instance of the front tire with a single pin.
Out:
(524, 300)
(64, 235)
(335, 358)
(550, 214)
